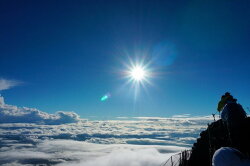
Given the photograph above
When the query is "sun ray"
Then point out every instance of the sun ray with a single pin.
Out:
(138, 74)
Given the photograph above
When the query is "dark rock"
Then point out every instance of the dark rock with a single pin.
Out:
(218, 135)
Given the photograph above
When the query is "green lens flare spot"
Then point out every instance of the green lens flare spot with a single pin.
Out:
(105, 97)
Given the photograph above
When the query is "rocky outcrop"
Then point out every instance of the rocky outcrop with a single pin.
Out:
(218, 135)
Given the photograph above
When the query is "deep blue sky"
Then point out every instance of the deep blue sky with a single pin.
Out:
(68, 54)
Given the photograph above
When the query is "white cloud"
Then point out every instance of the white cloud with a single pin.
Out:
(181, 116)
(122, 117)
(14, 114)
(76, 153)
(151, 118)
(7, 84)
(164, 132)
(30, 136)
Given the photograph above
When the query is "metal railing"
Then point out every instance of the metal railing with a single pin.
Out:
(179, 159)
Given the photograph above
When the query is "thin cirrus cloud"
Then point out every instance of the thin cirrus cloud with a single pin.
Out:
(6, 84)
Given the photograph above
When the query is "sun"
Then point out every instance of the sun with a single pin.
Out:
(138, 73)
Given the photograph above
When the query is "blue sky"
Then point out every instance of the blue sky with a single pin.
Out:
(68, 54)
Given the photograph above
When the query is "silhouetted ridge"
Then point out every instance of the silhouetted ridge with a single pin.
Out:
(216, 136)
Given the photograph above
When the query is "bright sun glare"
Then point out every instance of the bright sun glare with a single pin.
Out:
(138, 73)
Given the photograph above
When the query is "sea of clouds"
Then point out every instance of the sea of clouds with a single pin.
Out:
(29, 136)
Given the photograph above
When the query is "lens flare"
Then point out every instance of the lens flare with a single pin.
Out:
(105, 97)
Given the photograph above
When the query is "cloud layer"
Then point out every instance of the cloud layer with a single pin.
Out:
(29, 136)
(76, 153)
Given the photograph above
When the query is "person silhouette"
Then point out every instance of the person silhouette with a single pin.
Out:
(227, 97)
(233, 116)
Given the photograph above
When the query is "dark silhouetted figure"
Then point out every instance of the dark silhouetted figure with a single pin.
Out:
(227, 97)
